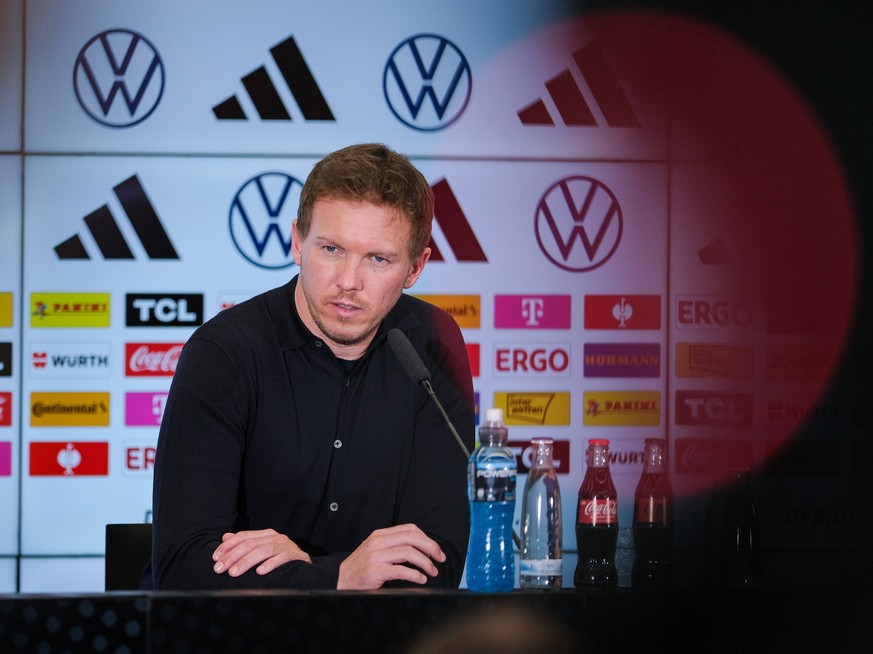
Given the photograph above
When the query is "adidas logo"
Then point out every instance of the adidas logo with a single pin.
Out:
(450, 218)
(569, 101)
(266, 99)
(109, 237)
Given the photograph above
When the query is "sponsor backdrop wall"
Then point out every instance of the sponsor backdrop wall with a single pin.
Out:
(641, 225)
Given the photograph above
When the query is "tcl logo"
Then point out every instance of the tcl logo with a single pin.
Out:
(139, 458)
(700, 312)
(183, 310)
(714, 409)
(152, 359)
(524, 454)
(552, 359)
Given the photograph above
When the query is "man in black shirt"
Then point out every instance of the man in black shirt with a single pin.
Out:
(294, 450)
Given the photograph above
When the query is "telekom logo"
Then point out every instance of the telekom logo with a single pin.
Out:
(532, 311)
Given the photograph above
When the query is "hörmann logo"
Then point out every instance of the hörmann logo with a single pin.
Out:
(119, 78)
(427, 82)
(714, 409)
(622, 359)
(163, 309)
(530, 359)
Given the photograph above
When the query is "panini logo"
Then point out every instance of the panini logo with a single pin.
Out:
(539, 409)
(69, 310)
(622, 312)
(803, 363)
(622, 408)
(570, 103)
(715, 360)
(713, 409)
(5, 409)
(525, 452)
(5, 309)
(465, 309)
(532, 311)
(69, 360)
(264, 96)
(622, 360)
(69, 409)
(69, 459)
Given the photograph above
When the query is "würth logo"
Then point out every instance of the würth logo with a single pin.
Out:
(118, 64)
(109, 237)
(427, 82)
(451, 220)
(578, 209)
(265, 97)
(569, 100)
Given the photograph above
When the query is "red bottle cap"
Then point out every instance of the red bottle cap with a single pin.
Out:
(598, 441)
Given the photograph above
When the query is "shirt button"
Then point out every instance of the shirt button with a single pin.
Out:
(318, 343)
(334, 506)
(337, 443)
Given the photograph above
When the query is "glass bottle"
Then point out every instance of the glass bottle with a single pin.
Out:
(541, 564)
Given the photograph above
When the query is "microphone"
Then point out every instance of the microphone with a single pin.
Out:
(417, 371)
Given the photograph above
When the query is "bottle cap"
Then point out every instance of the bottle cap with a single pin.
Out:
(598, 441)
(494, 415)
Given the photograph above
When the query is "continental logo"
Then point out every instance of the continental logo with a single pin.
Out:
(622, 408)
(534, 409)
(465, 309)
(69, 309)
(5, 309)
(69, 409)
(715, 360)
(803, 363)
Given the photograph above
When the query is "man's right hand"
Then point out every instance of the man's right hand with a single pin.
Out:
(387, 555)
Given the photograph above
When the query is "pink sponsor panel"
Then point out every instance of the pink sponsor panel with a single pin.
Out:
(144, 409)
(532, 311)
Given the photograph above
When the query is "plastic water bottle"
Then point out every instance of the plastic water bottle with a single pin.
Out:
(541, 529)
(491, 488)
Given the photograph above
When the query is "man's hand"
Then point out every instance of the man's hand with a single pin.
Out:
(265, 548)
(383, 555)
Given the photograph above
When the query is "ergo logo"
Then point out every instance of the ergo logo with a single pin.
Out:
(545, 359)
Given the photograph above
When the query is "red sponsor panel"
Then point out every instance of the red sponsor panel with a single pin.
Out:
(5, 409)
(622, 312)
(151, 359)
(714, 409)
(69, 458)
(473, 356)
(711, 456)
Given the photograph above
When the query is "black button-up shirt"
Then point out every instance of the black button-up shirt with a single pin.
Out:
(265, 428)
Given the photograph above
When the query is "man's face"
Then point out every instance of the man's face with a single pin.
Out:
(354, 264)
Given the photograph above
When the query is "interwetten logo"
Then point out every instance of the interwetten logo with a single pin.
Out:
(579, 209)
(163, 309)
(622, 408)
(532, 311)
(69, 459)
(69, 360)
(465, 309)
(715, 360)
(6, 310)
(151, 359)
(714, 409)
(532, 360)
(144, 409)
(534, 408)
(622, 312)
(69, 409)
(525, 451)
(569, 101)
(261, 215)
(427, 67)
(107, 233)
(69, 310)
(622, 360)
(262, 92)
(118, 63)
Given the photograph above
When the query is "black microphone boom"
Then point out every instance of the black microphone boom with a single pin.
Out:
(417, 371)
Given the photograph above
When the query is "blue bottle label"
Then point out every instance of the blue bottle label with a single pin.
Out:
(493, 483)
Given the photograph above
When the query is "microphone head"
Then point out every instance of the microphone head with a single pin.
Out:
(409, 359)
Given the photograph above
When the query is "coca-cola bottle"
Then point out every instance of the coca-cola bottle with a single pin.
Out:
(653, 519)
(597, 521)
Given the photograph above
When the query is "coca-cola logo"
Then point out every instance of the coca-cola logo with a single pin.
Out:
(152, 359)
(697, 455)
(598, 511)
